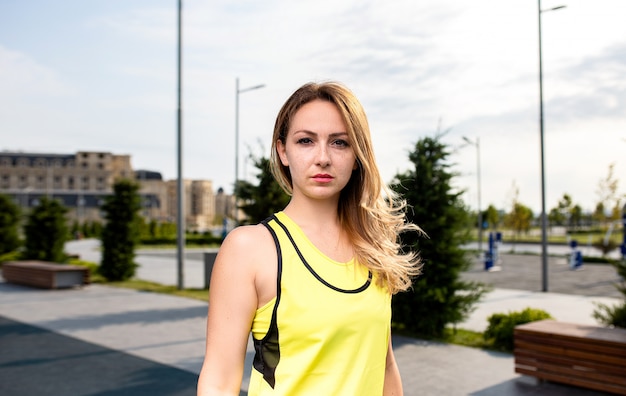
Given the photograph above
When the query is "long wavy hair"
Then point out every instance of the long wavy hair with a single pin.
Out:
(372, 215)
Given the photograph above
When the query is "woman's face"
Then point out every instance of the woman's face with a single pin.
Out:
(318, 151)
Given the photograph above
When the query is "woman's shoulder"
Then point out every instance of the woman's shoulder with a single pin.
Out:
(249, 240)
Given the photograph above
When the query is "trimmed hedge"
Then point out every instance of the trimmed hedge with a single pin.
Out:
(501, 326)
(189, 240)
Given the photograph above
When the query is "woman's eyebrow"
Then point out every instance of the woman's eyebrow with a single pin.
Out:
(334, 134)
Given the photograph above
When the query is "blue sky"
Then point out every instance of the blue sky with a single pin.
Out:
(101, 75)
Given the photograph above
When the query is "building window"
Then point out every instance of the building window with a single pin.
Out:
(85, 165)
(70, 183)
(100, 184)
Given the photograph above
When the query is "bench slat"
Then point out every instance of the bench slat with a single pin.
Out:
(575, 381)
(531, 359)
(583, 344)
(617, 359)
(562, 330)
(572, 369)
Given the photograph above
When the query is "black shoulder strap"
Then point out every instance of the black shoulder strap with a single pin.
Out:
(312, 271)
(267, 350)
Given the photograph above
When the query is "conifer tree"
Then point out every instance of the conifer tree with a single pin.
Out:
(9, 223)
(438, 297)
(46, 231)
(120, 233)
(264, 199)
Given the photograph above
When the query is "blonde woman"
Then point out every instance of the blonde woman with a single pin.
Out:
(313, 283)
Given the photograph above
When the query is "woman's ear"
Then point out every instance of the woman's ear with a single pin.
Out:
(282, 152)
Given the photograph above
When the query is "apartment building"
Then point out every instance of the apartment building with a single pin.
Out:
(199, 205)
(82, 180)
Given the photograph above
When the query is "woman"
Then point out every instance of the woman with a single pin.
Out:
(313, 283)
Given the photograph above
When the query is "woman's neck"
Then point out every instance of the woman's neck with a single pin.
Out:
(319, 220)
(313, 213)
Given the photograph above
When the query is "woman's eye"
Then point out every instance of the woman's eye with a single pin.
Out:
(341, 143)
(304, 141)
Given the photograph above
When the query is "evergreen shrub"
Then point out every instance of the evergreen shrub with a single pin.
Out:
(501, 326)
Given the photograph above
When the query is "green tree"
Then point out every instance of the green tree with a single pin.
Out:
(614, 315)
(598, 213)
(576, 216)
(46, 231)
(560, 215)
(166, 230)
(9, 224)
(120, 233)
(263, 199)
(608, 195)
(520, 218)
(438, 296)
(492, 216)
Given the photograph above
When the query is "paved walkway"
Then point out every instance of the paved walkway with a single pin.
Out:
(158, 340)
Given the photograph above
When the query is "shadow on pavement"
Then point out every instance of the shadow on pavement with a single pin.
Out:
(35, 361)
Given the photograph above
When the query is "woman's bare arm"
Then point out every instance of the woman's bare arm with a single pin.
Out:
(393, 382)
(232, 304)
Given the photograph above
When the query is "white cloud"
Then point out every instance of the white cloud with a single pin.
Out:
(474, 66)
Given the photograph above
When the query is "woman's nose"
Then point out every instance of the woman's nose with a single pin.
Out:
(323, 159)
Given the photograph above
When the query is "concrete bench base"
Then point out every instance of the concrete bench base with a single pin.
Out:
(44, 274)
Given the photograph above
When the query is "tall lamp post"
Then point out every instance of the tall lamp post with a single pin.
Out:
(544, 220)
(239, 91)
(180, 215)
(480, 211)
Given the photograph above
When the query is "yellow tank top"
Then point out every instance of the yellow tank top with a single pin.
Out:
(327, 331)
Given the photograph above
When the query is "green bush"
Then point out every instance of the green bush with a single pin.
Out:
(46, 231)
(501, 326)
(614, 315)
(94, 274)
(9, 222)
(605, 248)
(597, 260)
(11, 256)
(611, 315)
(120, 233)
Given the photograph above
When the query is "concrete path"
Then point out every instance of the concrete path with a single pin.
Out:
(169, 330)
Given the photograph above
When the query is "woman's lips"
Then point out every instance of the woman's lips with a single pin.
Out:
(322, 178)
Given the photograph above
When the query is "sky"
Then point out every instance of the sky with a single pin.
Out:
(101, 75)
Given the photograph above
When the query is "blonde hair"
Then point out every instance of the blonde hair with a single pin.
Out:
(372, 215)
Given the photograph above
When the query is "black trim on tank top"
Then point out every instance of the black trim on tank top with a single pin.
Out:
(315, 274)
(267, 349)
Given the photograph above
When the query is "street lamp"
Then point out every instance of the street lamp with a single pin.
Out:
(544, 221)
(180, 216)
(480, 212)
(237, 92)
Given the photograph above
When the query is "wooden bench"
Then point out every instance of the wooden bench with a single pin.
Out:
(591, 357)
(44, 274)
